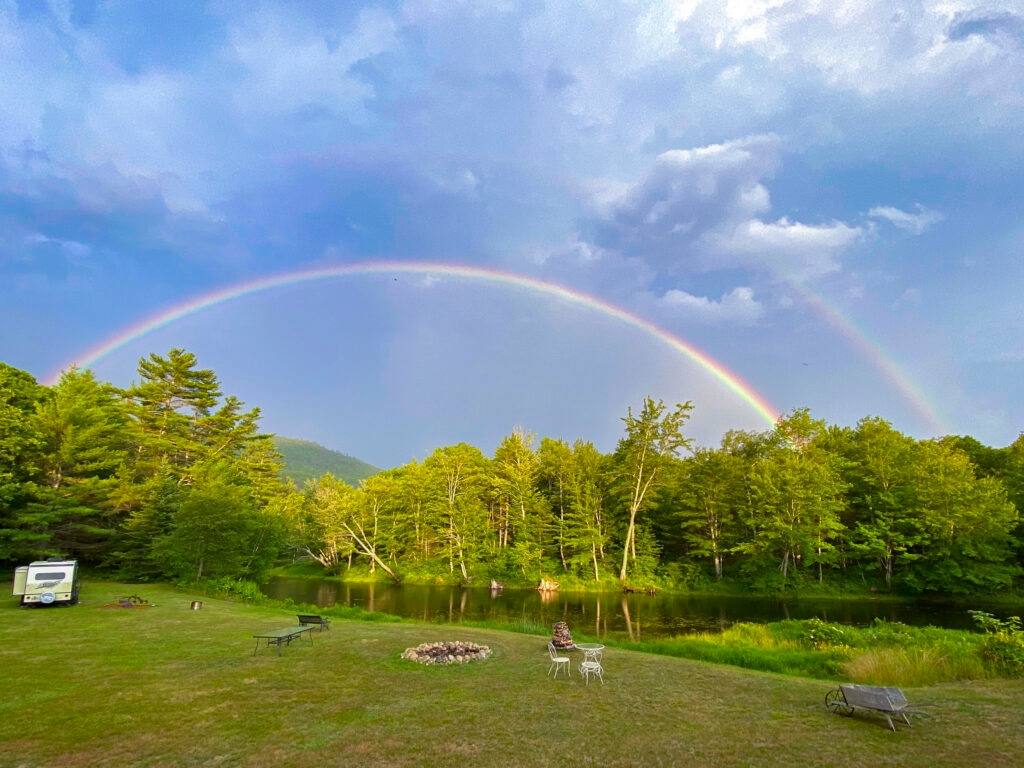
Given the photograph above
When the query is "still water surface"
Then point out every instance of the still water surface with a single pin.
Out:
(620, 616)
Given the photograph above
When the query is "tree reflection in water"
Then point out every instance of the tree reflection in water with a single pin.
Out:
(606, 615)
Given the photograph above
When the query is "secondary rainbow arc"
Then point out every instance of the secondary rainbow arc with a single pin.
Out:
(874, 353)
(714, 368)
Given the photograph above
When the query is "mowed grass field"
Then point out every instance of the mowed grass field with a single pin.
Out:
(91, 685)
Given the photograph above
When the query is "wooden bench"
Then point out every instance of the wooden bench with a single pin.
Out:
(314, 621)
(281, 637)
(886, 701)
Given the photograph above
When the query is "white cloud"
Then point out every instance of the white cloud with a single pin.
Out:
(292, 64)
(140, 125)
(685, 193)
(72, 249)
(783, 248)
(684, 66)
(462, 182)
(736, 306)
(584, 265)
(871, 46)
(701, 209)
(1011, 356)
(910, 297)
(429, 281)
(915, 223)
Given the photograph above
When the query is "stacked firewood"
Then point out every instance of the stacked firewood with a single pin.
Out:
(562, 639)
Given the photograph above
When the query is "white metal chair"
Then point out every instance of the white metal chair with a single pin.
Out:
(557, 662)
(588, 668)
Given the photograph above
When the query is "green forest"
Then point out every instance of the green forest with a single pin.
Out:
(172, 480)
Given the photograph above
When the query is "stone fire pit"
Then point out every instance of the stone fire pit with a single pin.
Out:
(453, 652)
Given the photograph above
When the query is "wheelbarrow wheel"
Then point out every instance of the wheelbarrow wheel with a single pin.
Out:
(835, 702)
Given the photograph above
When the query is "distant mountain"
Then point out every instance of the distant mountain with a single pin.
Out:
(304, 461)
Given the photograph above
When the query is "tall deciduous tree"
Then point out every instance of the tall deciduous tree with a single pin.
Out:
(414, 535)
(368, 525)
(555, 461)
(968, 524)
(885, 519)
(1005, 465)
(797, 494)
(586, 532)
(653, 438)
(522, 513)
(711, 499)
(328, 501)
(459, 473)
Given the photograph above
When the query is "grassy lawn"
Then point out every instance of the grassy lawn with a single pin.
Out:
(167, 686)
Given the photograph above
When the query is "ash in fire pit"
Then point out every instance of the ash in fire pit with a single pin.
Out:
(456, 652)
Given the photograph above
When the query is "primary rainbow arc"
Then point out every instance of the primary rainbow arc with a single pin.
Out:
(714, 368)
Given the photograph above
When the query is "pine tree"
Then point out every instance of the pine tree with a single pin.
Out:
(22, 454)
(84, 424)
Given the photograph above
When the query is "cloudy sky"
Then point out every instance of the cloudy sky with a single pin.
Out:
(822, 197)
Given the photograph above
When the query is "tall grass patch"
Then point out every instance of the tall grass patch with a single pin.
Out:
(891, 653)
(885, 653)
(912, 667)
(764, 647)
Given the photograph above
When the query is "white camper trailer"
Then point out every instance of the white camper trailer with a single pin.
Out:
(47, 582)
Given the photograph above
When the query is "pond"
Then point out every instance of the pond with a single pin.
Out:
(610, 615)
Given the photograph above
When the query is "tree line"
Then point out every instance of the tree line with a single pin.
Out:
(170, 479)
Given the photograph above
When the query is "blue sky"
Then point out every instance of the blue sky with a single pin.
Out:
(724, 170)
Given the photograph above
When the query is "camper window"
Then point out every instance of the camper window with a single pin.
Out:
(59, 576)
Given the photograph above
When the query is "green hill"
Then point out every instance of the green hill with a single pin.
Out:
(304, 460)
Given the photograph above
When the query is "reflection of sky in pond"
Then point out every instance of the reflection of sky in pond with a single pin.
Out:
(641, 617)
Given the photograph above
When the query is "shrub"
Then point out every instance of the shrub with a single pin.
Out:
(821, 634)
(889, 633)
(1003, 646)
(241, 589)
